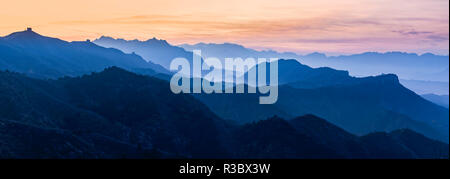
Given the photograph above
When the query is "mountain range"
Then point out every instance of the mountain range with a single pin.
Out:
(408, 66)
(426, 67)
(427, 73)
(152, 50)
(80, 100)
(75, 117)
(45, 57)
(230, 50)
(358, 105)
(429, 68)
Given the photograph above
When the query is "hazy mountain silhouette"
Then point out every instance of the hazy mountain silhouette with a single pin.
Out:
(44, 57)
(425, 87)
(119, 114)
(426, 67)
(153, 50)
(230, 50)
(358, 105)
(302, 76)
(442, 100)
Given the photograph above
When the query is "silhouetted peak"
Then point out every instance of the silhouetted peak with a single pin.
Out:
(232, 45)
(104, 38)
(428, 55)
(29, 37)
(114, 69)
(341, 73)
(382, 79)
(291, 64)
(28, 33)
(223, 45)
(388, 78)
(316, 55)
(112, 73)
(155, 40)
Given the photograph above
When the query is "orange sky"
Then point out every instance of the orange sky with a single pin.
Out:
(302, 26)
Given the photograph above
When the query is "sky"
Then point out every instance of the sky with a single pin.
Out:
(302, 26)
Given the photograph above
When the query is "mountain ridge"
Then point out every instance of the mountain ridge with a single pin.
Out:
(153, 50)
(45, 57)
(411, 66)
(387, 105)
(142, 121)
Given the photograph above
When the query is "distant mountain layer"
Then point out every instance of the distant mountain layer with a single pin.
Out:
(425, 87)
(358, 105)
(118, 114)
(442, 100)
(229, 50)
(44, 57)
(153, 50)
(428, 67)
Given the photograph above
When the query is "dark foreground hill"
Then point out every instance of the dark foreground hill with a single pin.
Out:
(128, 108)
(358, 105)
(311, 137)
(118, 114)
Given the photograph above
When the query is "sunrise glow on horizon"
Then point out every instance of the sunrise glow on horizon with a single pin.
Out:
(332, 27)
